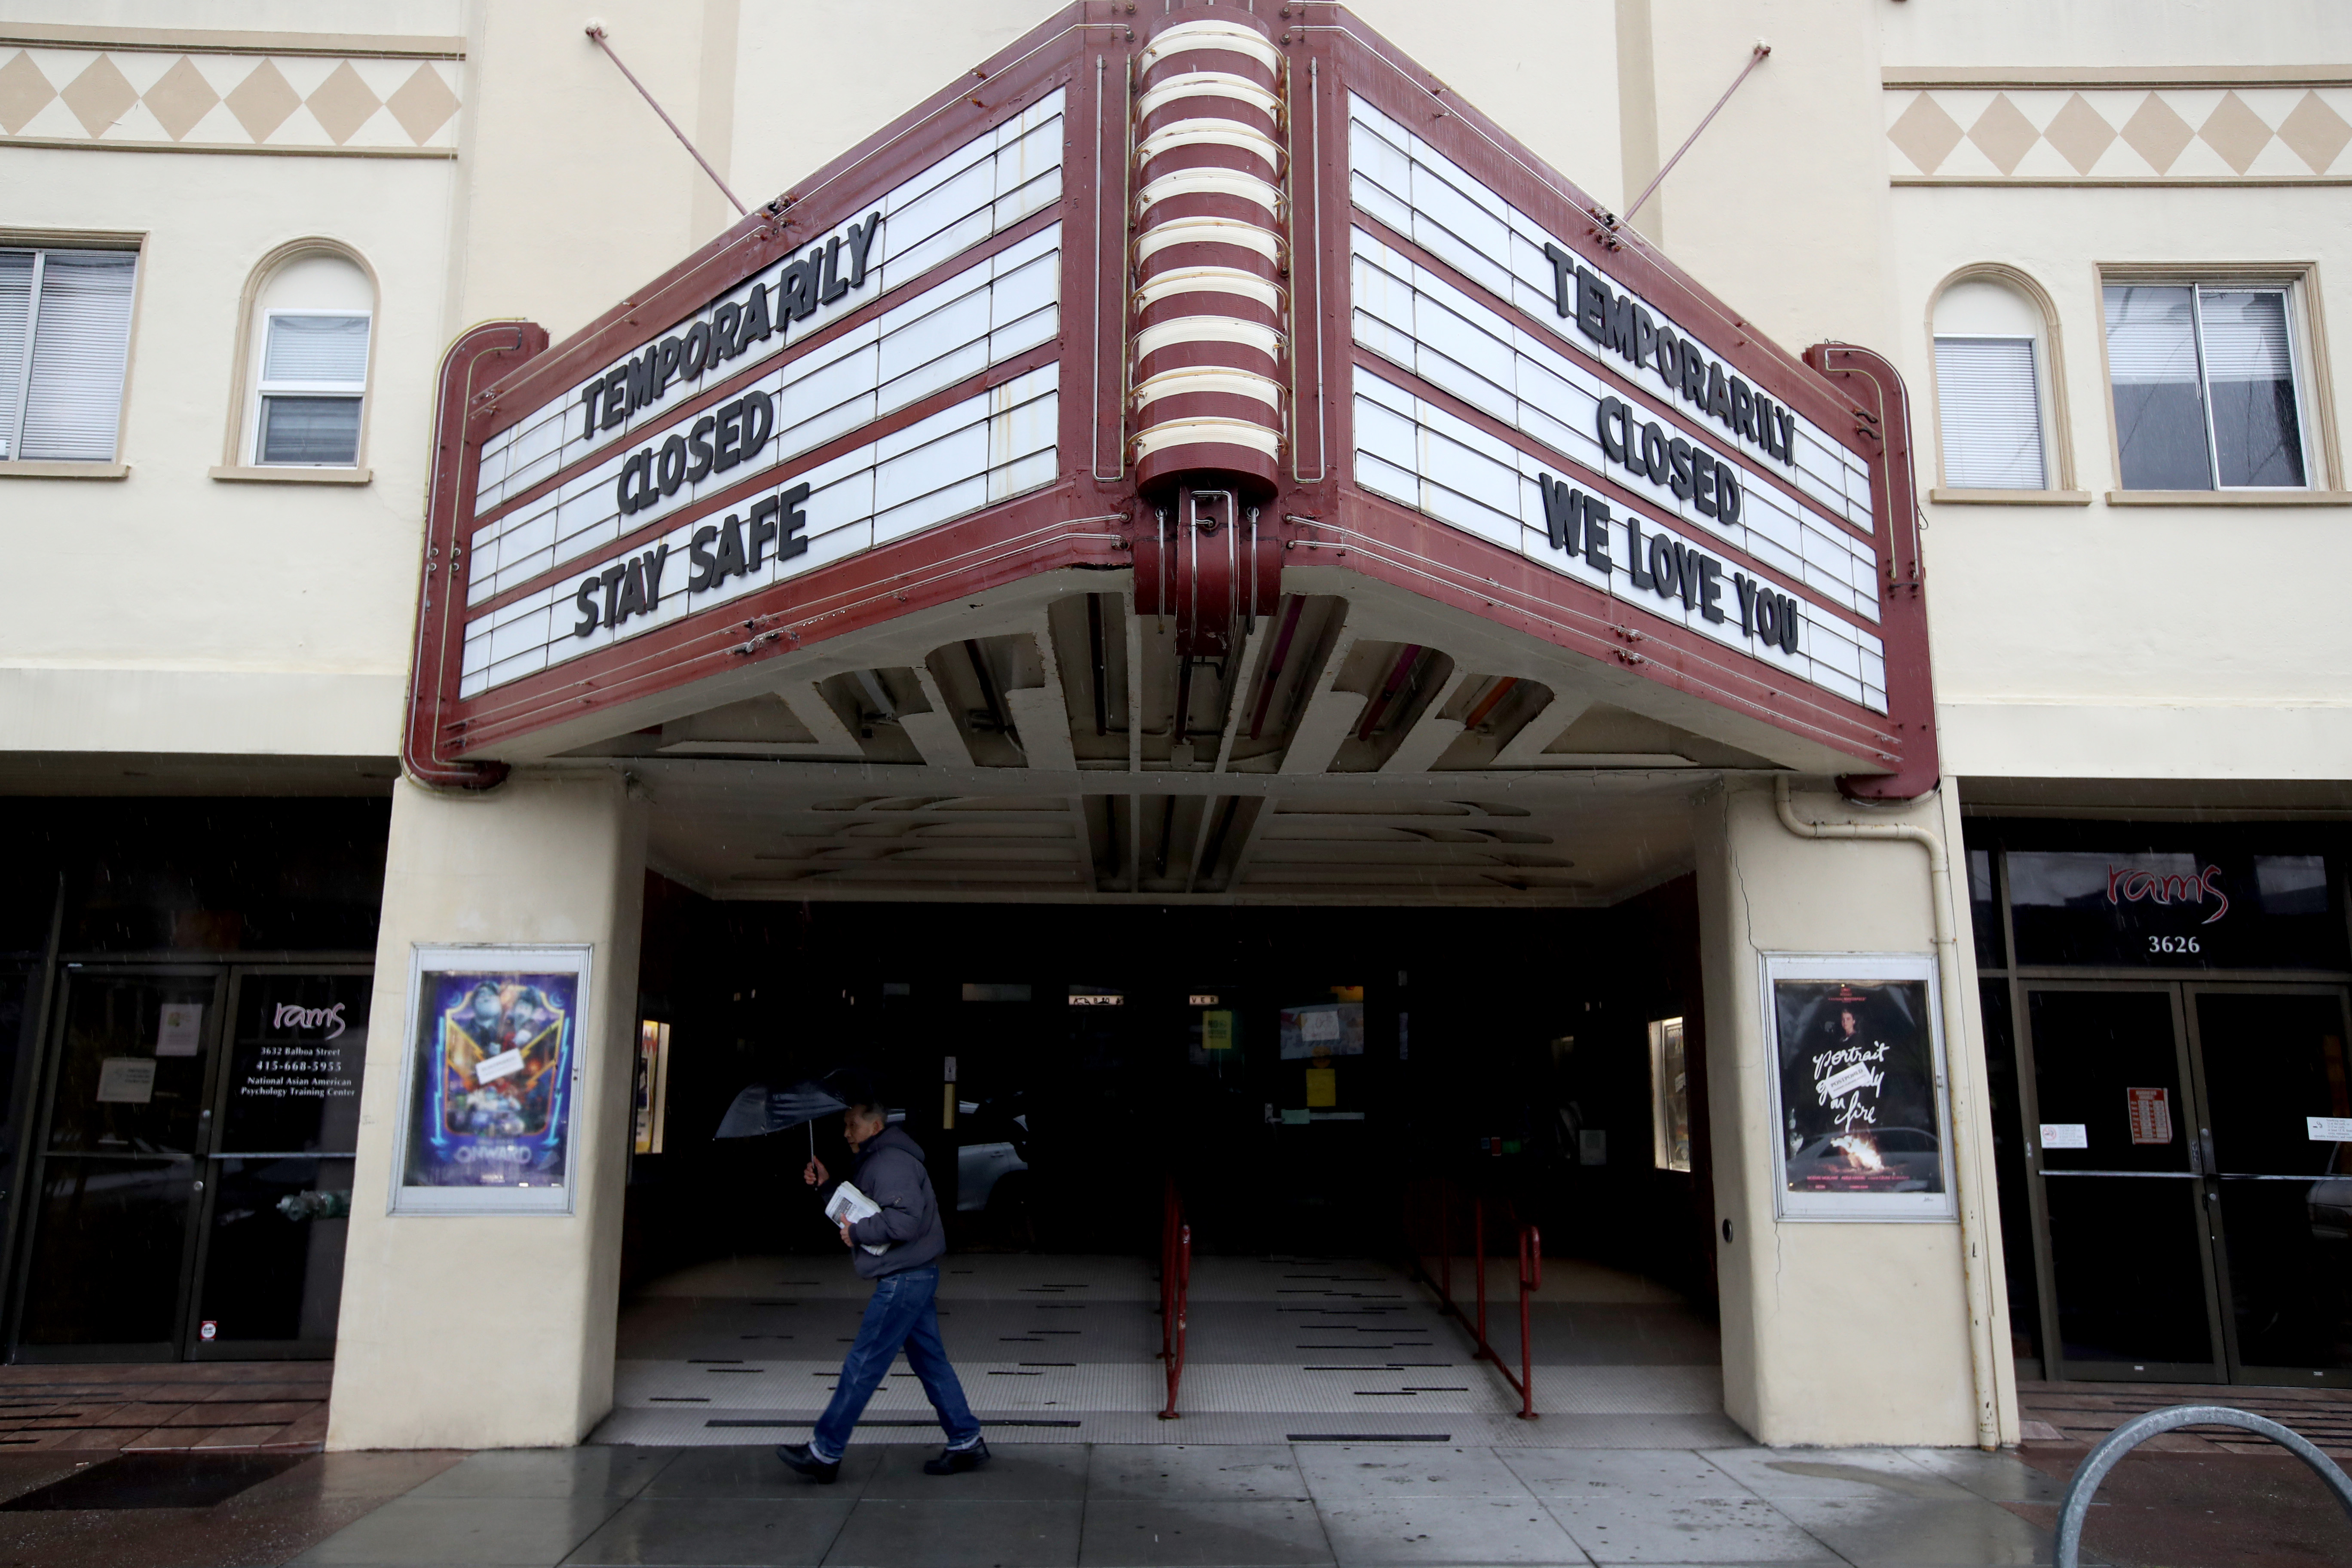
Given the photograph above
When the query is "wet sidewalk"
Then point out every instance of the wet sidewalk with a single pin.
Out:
(1139, 1506)
(1144, 1506)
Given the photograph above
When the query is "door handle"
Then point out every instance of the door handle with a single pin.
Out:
(2205, 1143)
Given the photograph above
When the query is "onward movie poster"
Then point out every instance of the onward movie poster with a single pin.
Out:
(1858, 1103)
(492, 1102)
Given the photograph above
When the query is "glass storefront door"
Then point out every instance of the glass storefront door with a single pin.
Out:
(118, 1170)
(2193, 1161)
(2280, 1158)
(270, 1270)
(192, 1163)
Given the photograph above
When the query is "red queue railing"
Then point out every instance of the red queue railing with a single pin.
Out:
(1175, 1289)
(1530, 1248)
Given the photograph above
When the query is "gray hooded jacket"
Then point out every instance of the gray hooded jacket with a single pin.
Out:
(890, 1171)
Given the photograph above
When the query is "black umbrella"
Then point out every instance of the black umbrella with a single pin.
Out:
(761, 1109)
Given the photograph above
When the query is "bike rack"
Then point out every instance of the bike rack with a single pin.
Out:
(1175, 1289)
(2077, 1504)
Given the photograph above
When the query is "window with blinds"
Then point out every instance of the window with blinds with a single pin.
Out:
(2204, 386)
(1989, 400)
(65, 337)
(313, 376)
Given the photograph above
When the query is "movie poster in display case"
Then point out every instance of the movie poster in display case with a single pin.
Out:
(490, 1079)
(1858, 1087)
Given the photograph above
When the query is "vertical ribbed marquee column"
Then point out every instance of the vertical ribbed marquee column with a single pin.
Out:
(1209, 256)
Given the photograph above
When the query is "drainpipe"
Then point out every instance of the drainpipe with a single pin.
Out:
(1948, 974)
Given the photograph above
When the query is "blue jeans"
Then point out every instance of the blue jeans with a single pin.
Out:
(904, 1311)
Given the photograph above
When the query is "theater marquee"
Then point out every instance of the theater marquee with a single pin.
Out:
(1199, 300)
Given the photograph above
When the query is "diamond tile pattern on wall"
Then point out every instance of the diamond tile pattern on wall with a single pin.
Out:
(229, 102)
(2157, 132)
(2111, 134)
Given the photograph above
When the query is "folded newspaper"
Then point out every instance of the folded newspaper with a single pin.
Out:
(849, 1204)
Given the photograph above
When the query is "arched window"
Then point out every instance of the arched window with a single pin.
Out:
(1996, 385)
(309, 326)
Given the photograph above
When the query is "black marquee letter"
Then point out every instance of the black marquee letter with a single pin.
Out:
(1563, 511)
(759, 424)
(1615, 448)
(834, 286)
(763, 528)
(1654, 454)
(797, 293)
(586, 599)
(756, 324)
(1591, 305)
(1596, 534)
(1563, 278)
(790, 542)
(861, 241)
(611, 577)
(1710, 588)
(731, 551)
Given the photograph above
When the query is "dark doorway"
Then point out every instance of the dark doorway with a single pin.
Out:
(1292, 1069)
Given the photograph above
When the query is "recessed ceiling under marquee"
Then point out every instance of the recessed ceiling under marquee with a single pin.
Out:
(1205, 461)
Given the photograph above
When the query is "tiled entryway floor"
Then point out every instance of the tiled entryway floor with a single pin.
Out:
(1063, 1349)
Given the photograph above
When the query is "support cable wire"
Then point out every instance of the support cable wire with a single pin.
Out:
(1756, 57)
(596, 30)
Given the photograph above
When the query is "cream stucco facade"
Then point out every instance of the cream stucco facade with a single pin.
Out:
(189, 623)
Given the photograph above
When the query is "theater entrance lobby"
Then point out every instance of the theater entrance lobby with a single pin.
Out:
(1215, 1174)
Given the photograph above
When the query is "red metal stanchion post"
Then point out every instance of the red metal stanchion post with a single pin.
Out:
(1531, 1280)
(1479, 1224)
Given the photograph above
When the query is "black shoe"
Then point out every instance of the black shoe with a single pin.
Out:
(798, 1456)
(955, 1461)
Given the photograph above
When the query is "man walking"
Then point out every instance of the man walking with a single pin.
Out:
(903, 1312)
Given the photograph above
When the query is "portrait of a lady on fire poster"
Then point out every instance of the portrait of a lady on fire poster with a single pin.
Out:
(1858, 1082)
